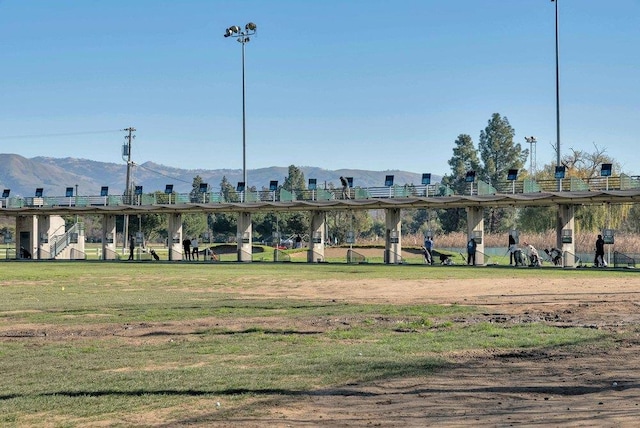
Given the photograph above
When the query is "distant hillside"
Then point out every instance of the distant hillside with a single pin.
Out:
(54, 175)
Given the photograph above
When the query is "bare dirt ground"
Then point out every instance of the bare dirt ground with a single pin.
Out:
(489, 388)
(549, 387)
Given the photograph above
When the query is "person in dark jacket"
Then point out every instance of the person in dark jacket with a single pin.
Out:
(186, 245)
(471, 252)
(132, 246)
(599, 260)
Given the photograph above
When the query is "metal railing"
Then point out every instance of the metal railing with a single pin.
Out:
(623, 260)
(354, 257)
(622, 182)
(77, 254)
(280, 256)
(61, 242)
(110, 254)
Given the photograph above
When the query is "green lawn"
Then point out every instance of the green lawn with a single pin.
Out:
(90, 343)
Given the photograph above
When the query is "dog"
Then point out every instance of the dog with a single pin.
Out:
(445, 259)
(154, 254)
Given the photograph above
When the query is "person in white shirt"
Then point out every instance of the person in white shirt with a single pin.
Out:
(534, 258)
(194, 248)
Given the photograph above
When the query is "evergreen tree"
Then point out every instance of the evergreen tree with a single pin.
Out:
(498, 151)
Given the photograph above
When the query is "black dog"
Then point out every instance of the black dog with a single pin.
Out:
(445, 259)
(154, 254)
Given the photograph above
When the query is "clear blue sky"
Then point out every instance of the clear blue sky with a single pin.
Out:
(364, 84)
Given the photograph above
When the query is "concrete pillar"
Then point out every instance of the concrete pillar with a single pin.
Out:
(318, 239)
(109, 237)
(475, 229)
(393, 236)
(565, 230)
(244, 237)
(42, 238)
(174, 236)
(27, 235)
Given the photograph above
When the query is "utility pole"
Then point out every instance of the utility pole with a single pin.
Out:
(126, 151)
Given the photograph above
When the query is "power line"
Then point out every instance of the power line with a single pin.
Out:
(65, 134)
(163, 174)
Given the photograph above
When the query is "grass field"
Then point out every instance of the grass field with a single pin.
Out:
(144, 344)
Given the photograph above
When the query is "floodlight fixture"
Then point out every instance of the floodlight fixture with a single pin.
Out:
(470, 176)
(242, 36)
(605, 170)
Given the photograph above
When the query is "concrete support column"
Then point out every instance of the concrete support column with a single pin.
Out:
(393, 236)
(565, 231)
(41, 236)
(109, 237)
(174, 234)
(244, 237)
(27, 235)
(316, 232)
(475, 230)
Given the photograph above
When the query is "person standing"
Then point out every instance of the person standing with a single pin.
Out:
(471, 252)
(428, 250)
(512, 248)
(186, 246)
(599, 260)
(346, 194)
(132, 246)
(194, 246)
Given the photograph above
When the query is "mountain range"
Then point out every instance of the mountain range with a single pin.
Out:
(23, 175)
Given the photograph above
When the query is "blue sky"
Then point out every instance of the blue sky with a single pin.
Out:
(363, 84)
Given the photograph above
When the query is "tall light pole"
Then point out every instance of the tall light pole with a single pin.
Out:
(557, 93)
(243, 36)
(126, 152)
(532, 154)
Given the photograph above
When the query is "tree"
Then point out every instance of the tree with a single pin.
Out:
(225, 223)
(498, 152)
(196, 195)
(465, 158)
(586, 165)
(227, 191)
(295, 179)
